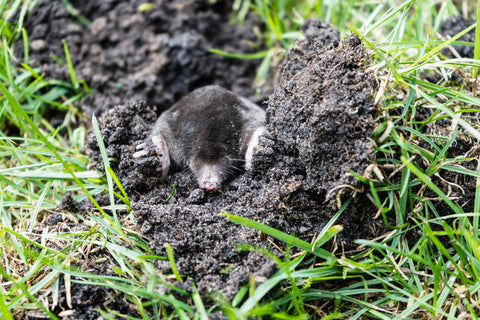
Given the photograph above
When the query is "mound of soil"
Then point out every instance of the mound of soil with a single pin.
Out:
(318, 123)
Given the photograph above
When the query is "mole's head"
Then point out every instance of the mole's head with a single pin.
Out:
(211, 171)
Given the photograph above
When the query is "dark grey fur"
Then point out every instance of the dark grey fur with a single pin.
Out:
(211, 126)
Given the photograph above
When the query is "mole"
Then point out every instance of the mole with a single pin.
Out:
(211, 130)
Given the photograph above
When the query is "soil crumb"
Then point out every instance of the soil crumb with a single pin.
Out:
(319, 120)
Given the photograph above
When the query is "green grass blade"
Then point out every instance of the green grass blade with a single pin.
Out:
(280, 235)
(171, 258)
(425, 179)
(71, 69)
(106, 164)
(476, 53)
(246, 56)
(201, 311)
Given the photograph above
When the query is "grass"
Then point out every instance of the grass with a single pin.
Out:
(426, 267)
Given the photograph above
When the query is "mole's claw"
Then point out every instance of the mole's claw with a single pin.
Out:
(154, 147)
(140, 154)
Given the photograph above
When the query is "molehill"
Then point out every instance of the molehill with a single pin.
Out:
(318, 124)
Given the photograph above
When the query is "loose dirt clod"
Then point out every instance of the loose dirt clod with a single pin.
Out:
(318, 123)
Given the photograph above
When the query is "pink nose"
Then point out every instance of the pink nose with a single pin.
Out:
(209, 186)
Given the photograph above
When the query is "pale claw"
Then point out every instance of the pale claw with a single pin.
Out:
(142, 152)
(156, 146)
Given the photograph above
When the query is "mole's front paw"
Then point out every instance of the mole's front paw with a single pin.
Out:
(154, 149)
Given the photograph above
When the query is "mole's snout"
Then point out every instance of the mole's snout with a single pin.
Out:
(209, 186)
(209, 176)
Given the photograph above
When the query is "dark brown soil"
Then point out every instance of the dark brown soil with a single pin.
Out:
(318, 123)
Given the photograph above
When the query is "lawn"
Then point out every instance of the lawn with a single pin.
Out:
(422, 180)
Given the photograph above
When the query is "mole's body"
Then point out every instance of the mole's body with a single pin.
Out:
(211, 131)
